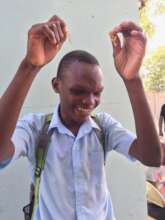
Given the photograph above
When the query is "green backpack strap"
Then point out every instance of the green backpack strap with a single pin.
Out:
(100, 134)
(41, 152)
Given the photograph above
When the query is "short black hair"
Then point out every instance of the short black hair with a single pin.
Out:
(75, 55)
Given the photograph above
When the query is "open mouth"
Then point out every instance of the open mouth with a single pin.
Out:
(83, 111)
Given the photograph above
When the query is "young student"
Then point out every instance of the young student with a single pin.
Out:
(73, 183)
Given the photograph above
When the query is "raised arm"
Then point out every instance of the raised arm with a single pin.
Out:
(44, 42)
(128, 57)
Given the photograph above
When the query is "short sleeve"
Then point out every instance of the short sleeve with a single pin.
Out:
(117, 137)
(25, 137)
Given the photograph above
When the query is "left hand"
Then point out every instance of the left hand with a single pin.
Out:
(128, 56)
(45, 41)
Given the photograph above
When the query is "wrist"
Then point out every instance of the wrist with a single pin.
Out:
(29, 66)
(134, 83)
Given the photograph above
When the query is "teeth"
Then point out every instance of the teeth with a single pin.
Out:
(84, 110)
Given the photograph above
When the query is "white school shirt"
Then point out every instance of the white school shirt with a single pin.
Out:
(73, 183)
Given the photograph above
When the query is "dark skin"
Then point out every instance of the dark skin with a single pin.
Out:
(80, 92)
(44, 42)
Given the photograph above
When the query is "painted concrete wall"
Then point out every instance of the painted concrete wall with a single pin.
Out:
(89, 23)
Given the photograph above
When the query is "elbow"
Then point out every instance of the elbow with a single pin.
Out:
(152, 163)
(154, 160)
(6, 151)
(149, 154)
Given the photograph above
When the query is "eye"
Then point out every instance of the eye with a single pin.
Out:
(77, 92)
(97, 94)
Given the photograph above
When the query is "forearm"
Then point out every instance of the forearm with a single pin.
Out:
(12, 100)
(148, 144)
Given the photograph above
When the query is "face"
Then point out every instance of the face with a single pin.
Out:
(79, 90)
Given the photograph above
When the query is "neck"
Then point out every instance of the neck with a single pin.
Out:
(71, 125)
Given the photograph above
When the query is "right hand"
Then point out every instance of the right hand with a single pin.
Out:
(45, 40)
(128, 55)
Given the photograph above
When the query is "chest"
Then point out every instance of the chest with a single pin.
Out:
(68, 157)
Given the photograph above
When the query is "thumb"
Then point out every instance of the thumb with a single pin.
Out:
(116, 45)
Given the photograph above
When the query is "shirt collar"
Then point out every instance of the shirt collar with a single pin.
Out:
(57, 123)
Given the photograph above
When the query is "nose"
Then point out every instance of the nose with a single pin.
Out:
(90, 100)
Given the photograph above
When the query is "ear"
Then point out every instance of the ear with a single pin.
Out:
(55, 84)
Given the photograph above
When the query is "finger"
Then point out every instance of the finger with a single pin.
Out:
(55, 32)
(36, 29)
(138, 34)
(129, 26)
(55, 18)
(42, 30)
(115, 40)
(49, 33)
(126, 28)
(61, 32)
